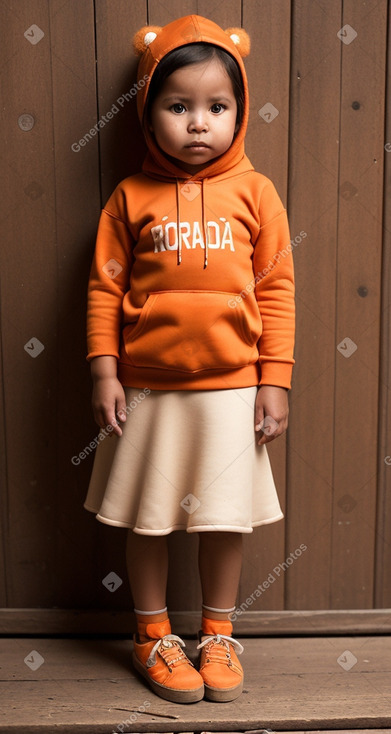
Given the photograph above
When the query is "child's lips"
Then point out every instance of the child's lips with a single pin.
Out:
(197, 144)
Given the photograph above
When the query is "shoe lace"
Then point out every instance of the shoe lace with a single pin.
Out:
(169, 648)
(223, 640)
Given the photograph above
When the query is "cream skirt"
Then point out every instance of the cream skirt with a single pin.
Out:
(187, 460)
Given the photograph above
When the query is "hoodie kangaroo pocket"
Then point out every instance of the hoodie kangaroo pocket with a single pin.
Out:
(193, 331)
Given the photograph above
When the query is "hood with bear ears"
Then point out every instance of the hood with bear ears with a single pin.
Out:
(153, 43)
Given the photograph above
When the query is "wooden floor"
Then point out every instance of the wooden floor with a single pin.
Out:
(291, 684)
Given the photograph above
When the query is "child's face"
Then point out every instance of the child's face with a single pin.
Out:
(195, 105)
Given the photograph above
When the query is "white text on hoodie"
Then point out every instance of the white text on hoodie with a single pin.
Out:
(165, 236)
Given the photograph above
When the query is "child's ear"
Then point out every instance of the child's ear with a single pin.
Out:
(144, 37)
(241, 39)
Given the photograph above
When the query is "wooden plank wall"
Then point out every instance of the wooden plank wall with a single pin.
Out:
(328, 150)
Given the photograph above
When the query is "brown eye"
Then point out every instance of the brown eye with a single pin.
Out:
(217, 108)
(178, 108)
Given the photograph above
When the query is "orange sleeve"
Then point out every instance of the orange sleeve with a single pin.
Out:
(274, 291)
(108, 283)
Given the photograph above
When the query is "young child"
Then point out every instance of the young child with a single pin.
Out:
(190, 339)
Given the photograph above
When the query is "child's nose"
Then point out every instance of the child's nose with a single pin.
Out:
(198, 122)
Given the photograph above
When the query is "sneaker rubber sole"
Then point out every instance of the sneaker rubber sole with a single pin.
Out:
(174, 695)
(223, 695)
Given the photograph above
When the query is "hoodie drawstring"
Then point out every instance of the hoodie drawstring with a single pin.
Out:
(178, 225)
(204, 228)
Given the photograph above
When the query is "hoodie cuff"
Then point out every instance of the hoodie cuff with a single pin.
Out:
(278, 374)
(99, 353)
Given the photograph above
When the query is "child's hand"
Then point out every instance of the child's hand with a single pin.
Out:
(271, 412)
(108, 403)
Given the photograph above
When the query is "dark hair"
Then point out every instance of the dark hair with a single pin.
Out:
(194, 53)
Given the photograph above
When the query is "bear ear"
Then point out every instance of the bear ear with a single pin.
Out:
(144, 37)
(241, 39)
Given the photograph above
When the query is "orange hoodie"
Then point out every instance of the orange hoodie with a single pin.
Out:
(191, 285)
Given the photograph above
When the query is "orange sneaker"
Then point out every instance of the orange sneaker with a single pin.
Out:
(220, 668)
(162, 662)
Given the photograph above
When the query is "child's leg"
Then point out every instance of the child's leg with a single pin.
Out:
(220, 563)
(157, 654)
(147, 564)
